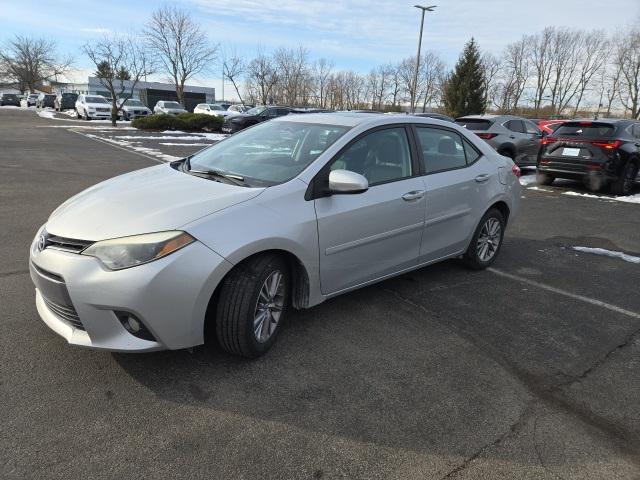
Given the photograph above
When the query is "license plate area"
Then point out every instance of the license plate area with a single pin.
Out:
(570, 152)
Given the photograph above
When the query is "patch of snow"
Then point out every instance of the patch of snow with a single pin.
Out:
(539, 189)
(214, 136)
(162, 137)
(527, 179)
(186, 144)
(609, 253)
(51, 114)
(628, 199)
(129, 145)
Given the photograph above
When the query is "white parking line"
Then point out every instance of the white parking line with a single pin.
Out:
(116, 146)
(582, 298)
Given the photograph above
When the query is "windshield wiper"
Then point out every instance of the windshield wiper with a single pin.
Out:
(237, 179)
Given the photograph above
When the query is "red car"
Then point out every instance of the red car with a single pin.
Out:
(549, 126)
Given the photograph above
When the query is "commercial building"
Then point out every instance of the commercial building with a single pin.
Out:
(148, 93)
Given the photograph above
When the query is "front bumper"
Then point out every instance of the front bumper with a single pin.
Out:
(170, 296)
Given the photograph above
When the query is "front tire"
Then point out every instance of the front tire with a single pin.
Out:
(86, 116)
(486, 241)
(252, 305)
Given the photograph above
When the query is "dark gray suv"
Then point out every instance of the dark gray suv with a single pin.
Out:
(513, 137)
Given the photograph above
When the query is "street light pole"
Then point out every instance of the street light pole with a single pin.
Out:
(414, 91)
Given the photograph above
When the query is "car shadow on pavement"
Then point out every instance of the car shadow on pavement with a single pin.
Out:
(364, 366)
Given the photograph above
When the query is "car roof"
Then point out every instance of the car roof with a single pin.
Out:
(490, 117)
(352, 119)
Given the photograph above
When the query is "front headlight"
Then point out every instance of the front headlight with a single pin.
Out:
(125, 252)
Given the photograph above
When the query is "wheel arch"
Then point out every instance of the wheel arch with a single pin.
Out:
(503, 208)
(300, 285)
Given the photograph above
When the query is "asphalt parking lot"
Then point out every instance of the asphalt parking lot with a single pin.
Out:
(529, 370)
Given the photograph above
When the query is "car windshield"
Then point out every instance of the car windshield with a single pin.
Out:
(69, 95)
(172, 105)
(256, 110)
(9, 95)
(133, 103)
(585, 130)
(474, 124)
(216, 107)
(269, 153)
(95, 100)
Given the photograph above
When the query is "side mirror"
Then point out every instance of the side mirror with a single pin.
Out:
(347, 182)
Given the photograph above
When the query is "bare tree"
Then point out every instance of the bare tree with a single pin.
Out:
(29, 62)
(515, 75)
(565, 50)
(292, 65)
(321, 71)
(593, 55)
(233, 67)
(541, 63)
(432, 70)
(179, 45)
(491, 65)
(627, 59)
(120, 64)
(261, 78)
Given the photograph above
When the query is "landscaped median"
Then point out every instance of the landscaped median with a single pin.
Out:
(188, 122)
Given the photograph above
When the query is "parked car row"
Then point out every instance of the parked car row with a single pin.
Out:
(600, 153)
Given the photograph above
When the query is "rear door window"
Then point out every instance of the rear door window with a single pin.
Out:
(587, 130)
(441, 149)
(515, 126)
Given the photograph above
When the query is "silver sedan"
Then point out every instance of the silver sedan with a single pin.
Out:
(282, 215)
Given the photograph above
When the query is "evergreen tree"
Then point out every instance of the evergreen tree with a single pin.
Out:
(464, 91)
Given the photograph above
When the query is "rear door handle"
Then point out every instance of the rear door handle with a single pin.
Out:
(482, 178)
(413, 195)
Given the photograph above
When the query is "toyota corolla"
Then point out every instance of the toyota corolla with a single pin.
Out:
(286, 214)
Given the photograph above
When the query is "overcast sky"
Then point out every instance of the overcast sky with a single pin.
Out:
(355, 34)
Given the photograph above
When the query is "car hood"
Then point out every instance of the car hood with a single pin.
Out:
(98, 105)
(149, 200)
(126, 108)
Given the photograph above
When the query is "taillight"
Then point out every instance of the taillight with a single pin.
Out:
(516, 170)
(487, 136)
(548, 140)
(608, 145)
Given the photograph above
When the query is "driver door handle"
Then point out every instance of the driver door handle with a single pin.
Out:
(413, 195)
(482, 178)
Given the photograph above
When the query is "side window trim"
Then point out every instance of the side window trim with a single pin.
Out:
(423, 170)
(316, 188)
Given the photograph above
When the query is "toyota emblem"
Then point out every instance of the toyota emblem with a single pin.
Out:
(42, 242)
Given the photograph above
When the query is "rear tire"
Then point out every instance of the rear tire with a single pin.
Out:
(486, 241)
(544, 178)
(252, 305)
(623, 185)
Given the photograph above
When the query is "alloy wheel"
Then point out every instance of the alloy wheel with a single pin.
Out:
(489, 239)
(269, 306)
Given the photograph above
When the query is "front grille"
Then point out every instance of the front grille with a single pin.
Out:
(102, 109)
(66, 244)
(65, 312)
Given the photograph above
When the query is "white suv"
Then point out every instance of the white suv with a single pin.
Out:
(169, 108)
(93, 106)
(212, 109)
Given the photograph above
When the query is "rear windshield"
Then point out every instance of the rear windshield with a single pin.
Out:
(474, 124)
(9, 95)
(585, 130)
